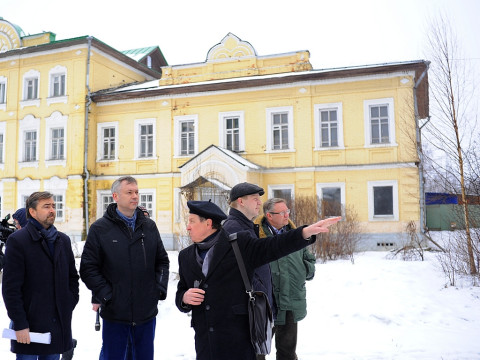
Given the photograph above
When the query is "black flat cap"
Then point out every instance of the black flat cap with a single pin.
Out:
(206, 209)
(243, 189)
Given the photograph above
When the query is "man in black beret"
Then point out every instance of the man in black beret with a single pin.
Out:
(245, 203)
(210, 283)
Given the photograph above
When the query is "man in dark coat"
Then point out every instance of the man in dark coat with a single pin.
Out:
(211, 285)
(288, 275)
(40, 281)
(245, 204)
(125, 265)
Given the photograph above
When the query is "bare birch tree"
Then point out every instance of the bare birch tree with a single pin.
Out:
(452, 126)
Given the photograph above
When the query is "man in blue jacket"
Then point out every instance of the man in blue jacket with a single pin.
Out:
(125, 265)
(40, 282)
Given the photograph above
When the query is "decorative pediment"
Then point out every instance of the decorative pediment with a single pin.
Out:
(231, 47)
(9, 36)
(217, 164)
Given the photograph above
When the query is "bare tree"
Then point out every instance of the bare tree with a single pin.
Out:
(452, 127)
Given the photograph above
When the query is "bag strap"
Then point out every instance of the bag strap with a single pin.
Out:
(233, 240)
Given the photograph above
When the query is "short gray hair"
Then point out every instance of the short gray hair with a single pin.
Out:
(32, 201)
(117, 183)
(270, 203)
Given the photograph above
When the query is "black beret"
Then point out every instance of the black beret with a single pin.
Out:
(243, 189)
(206, 209)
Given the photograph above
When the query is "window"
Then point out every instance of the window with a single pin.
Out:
(30, 152)
(187, 138)
(383, 200)
(232, 134)
(30, 95)
(3, 90)
(58, 85)
(59, 207)
(55, 142)
(29, 130)
(147, 200)
(379, 122)
(58, 141)
(332, 199)
(328, 126)
(144, 138)
(186, 135)
(106, 199)
(280, 129)
(281, 191)
(31, 88)
(107, 143)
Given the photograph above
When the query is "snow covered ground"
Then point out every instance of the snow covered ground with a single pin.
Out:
(377, 308)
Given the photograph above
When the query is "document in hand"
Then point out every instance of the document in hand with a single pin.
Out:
(42, 338)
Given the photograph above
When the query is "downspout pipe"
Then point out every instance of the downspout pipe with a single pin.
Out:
(419, 150)
(86, 174)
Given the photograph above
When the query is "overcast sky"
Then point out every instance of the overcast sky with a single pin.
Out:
(337, 33)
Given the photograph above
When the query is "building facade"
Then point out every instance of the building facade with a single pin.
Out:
(347, 136)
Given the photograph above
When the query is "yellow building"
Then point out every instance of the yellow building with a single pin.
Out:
(44, 92)
(345, 135)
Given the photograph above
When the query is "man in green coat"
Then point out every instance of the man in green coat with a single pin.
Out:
(288, 277)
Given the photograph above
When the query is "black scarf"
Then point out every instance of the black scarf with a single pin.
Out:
(50, 234)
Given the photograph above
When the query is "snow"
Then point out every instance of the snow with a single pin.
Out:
(376, 308)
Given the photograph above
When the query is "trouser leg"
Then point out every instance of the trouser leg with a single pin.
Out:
(115, 337)
(286, 339)
(142, 340)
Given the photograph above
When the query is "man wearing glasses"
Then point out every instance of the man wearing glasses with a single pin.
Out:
(288, 276)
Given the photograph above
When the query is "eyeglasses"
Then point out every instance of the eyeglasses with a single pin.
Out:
(281, 212)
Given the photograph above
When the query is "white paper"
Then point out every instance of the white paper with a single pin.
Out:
(42, 338)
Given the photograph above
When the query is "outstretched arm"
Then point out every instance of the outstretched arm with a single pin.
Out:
(319, 227)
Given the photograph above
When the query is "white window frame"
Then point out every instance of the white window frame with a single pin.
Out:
(317, 108)
(222, 128)
(177, 132)
(57, 71)
(391, 122)
(340, 185)
(28, 123)
(269, 119)
(290, 187)
(138, 123)
(3, 102)
(153, 193)
(3, 128)
(100, 127)
(371, 186)
(101, 194)
(29, 75)
(55, 121)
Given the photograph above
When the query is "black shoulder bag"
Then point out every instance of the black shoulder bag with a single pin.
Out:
(259, 310)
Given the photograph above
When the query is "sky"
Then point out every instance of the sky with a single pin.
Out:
(337, 33)
(379, 308)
